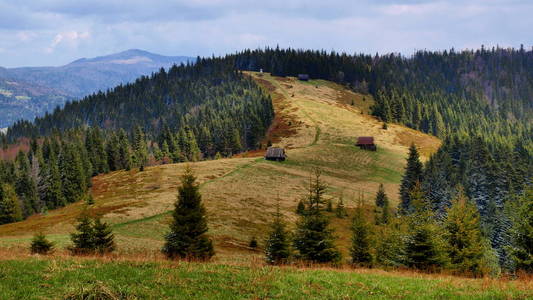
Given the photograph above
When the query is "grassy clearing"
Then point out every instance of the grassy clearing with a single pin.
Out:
(59, 278)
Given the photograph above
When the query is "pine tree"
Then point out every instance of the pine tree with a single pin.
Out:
(424, 247)
(381, 197)
(50, 185)
(10, 210)
(40, 245)
(360, 249)
(25, 186)
(104, 240)
(140, 148)
(74, 184)
(522, 233)
(277, 248)
(83, 239)
(187, 237)
(466, 246)
(413, 174)
(313, 238)
(391, 244)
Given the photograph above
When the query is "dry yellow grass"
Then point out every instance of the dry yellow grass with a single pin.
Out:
(315, 121)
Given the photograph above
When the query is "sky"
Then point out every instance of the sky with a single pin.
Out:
(56, 32)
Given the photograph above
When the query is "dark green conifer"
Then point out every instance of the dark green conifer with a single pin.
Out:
(187, 237)
(381, 197)
(522, 233)
(300, 208)
(10, 210)
(104, 240)
(412, 176)
(41, 245)
(360, 250)
(465, 244)
(253, 243)
(277, 248)
(313, 238)
(83, 239)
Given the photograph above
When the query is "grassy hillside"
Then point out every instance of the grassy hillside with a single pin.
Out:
(317, 121)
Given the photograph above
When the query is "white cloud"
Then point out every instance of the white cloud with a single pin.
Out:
(70, 38)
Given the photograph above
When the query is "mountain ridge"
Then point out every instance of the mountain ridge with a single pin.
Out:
(74, 80)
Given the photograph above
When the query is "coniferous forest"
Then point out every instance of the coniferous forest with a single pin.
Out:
(478, 102)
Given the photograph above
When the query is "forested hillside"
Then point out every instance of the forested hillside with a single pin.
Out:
(193, 112)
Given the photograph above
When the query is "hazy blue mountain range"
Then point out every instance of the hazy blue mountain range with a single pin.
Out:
(31, 91)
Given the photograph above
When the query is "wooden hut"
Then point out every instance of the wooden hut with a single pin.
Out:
(366, 143)
(276, 154)
(303, 77)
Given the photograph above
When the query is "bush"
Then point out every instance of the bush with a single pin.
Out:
(253, 243)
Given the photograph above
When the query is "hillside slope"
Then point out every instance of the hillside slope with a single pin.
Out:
(317, 121)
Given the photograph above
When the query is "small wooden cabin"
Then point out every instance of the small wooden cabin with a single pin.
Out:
(303, 77)
(366, 143)
(276, 154)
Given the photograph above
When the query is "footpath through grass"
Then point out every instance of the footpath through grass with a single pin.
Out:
(88, 278)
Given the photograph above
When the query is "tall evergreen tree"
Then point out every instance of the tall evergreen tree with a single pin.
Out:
(74, 183)
(466, 246)
(140, 148)
(187, 237)
(313, 238)
(83, 239)
(522, 233)
(381, 197)
(360, 250)
(412, 175)
(277, 250)
(104, 240)
(10, 210)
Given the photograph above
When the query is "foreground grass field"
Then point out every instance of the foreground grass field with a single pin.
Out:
(34, 278)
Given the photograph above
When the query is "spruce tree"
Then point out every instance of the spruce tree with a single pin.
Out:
(187, 237)
(466, 246)
(83, 239)
(277, 248)
(140, 148)
(25, 186)
(424, 247)
(412, 175)
(10, 210)
(104, 240)
(381, 197)
(360, 250)
(522, 233)
(313, 238)
(50, 184)
(40, 245)
(74, 183)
